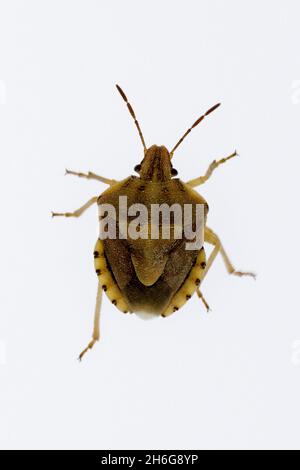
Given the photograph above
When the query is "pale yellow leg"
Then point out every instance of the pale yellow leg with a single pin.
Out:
(96, 330)
(202, 179)
(78, 212)
(213, 239)
(91, 176)
(200, 295)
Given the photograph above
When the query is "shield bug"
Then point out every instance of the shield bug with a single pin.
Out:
(151, 275)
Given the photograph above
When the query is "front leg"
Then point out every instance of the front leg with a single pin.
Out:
(78, 212)
(91, 176)
(202, 179)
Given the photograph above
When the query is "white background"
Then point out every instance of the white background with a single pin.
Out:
(227, 380)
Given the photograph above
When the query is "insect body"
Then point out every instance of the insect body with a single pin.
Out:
(153, 275)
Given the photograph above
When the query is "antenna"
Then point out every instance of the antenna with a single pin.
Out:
(192, 127)
(133, 115)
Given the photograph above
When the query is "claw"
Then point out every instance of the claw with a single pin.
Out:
(89, 346)
(241, 274)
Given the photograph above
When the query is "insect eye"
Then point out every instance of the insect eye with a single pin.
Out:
(174, 172)
(137, 168)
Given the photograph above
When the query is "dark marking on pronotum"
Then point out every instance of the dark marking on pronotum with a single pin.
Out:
(96, 254)
(197, 282)
(104, 287)
(175, 309)
(127, 183)
(114, 302)
(181, 187)
(98, 272)
(188, 296)
(203, 265)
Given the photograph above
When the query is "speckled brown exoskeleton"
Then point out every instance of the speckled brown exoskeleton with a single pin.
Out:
(152, 276)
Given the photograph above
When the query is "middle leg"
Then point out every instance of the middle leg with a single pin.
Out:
(79, 211)
(213, 239)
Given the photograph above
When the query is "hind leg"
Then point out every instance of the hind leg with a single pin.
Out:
(96, 330)
(200, 295)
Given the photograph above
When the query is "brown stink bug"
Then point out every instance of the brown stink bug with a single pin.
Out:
(151, 275)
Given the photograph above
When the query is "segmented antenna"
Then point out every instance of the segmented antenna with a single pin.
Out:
(192, 127)
(132, 114)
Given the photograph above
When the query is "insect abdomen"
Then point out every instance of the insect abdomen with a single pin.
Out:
(106, 279)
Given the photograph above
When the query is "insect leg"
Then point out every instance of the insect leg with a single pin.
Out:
(202, 179)
(96, 330)
(200, 295)
(213, 239)
(79, 211)
(91, 176)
